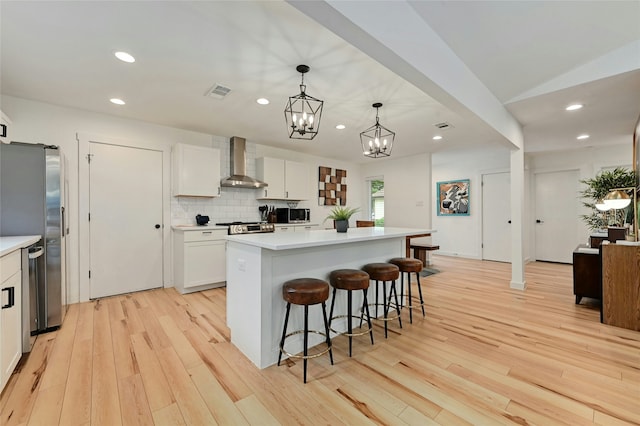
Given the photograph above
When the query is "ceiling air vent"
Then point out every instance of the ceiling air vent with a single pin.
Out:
(444, 125)
(218, 91)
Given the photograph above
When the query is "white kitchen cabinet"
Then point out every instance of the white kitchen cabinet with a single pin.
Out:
(199, 259)
(298, 227)
(196, 171)
(4, 127)
(287, 180)
(10, 315)
(296, 180)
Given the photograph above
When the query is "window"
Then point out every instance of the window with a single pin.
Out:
(376, 200)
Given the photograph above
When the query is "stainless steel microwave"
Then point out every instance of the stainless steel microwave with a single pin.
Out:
(288, 215)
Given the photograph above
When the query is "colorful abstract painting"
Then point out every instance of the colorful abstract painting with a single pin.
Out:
(453, 198)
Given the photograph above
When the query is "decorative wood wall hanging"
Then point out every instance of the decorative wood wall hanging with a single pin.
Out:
(332, 187)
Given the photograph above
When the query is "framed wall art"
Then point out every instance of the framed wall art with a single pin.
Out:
(453, 198)
(332, 186)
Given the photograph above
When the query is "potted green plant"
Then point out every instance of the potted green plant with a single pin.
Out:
(598, 188)
(341, 216)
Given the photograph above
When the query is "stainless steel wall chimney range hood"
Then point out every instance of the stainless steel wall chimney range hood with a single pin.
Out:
(238, 168)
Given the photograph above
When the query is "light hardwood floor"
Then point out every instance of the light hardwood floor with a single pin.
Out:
(484, 355)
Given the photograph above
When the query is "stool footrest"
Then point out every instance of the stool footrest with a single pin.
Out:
(388, 318)
(346, 333)
(290, 355)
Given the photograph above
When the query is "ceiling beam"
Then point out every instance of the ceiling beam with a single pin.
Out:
(394, 34)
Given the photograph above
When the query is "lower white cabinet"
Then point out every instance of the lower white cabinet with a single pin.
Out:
(199, 259)
(298, 227)
(10, 315)
(302, 228)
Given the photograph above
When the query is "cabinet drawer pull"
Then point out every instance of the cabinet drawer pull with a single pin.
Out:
(12, 295)
(207, 232)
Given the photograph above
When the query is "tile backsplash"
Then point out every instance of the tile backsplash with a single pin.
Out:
(234, 203)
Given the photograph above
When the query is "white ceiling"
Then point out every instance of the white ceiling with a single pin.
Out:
(535, 57)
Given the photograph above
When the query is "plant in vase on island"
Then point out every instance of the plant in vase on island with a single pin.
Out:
(341, 216)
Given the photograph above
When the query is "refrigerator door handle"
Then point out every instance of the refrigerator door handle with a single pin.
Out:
(63, 227)
(36, 252)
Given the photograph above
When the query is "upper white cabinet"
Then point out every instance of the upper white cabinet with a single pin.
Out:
(196, 171)
(4, 127)
(287, 180)
(271, 171)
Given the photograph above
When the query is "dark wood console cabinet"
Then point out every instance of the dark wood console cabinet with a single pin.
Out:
(587, 274)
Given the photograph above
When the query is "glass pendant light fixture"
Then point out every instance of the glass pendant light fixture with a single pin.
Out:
(377, 140)
(303, 112)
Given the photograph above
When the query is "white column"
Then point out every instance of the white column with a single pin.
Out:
(517, 219)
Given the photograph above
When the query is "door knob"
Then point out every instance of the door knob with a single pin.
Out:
(539, 221)
(509, 222)
(157, 226)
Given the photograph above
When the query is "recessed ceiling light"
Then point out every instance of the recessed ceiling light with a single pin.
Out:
(581, 137)
(125, 57)
(263, 101)
(574, 107)
(340, 126)
(437, 138)
(117, 101)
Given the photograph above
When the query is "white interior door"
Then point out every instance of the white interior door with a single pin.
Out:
(496, 217)
(556, 215)
(125, 227)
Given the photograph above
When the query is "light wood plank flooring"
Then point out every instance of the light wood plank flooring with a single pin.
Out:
(484, 355)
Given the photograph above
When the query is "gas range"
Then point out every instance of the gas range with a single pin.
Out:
(236, 228)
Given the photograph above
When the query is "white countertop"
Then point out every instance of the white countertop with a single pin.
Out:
(296, 224)
(9, 244)
(293, 240)
(183, 228)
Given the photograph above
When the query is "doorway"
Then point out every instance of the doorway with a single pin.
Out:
(376, 200)
(556, 216)
(125, 219)
(496, 217)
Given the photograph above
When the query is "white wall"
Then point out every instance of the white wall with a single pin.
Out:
(355, 182)
(407, 189)
(462, 235)
(588, 162)
(38, 122)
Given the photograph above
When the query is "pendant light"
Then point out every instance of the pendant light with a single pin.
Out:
(377, 140)
(303, 112)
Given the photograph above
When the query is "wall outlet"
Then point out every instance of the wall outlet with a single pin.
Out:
(242, 265)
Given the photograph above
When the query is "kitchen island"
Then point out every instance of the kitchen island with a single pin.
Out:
(258, 265)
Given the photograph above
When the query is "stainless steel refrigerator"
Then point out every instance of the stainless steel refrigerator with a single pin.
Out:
(31, 204)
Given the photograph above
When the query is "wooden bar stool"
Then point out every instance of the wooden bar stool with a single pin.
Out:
(350, 280)
(385, 272)
(408, 265)
(305, 292)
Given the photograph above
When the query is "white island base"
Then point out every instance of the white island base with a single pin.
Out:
(258, 265)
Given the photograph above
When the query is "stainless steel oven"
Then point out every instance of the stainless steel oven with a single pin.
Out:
(235, 228)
